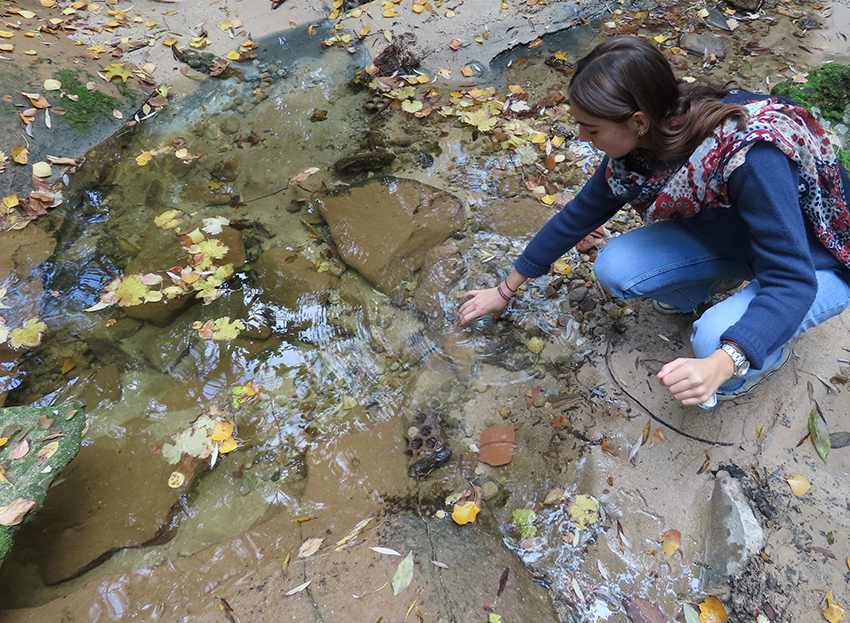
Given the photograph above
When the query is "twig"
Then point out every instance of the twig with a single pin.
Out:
(651, 414)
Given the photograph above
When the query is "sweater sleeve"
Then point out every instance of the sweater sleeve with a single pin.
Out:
(592, 207)
(764, 191)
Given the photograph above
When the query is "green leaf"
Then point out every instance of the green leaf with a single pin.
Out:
(131, 290)
(225, 329)
(403, 575)
(691, 614)
(411, 106)
(820, 436)
(481, 119)
(524, 516)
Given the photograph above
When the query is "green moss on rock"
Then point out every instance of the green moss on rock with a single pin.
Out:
(32, 473)
(90, 108)
(827, 88)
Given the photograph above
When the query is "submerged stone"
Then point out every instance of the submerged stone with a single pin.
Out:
(386, 228)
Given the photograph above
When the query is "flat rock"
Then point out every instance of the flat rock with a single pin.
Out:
(286, 277)
(386, 228)
(92, 512)
(705, 45)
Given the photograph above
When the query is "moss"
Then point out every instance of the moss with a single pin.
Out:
(827, 88)
(844, 157)
(90, 108)
(5, 542)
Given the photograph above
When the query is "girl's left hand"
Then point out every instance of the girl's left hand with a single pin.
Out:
(694, 381)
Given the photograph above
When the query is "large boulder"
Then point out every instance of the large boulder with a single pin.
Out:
(287, 277)
(161, 251)
(386, 228)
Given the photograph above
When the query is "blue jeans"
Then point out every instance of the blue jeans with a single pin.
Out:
(675, 265)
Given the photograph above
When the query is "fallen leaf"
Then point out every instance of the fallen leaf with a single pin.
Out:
(13, 514)
(691, 614)
(21, 450)
(47, 451)
(41, 169)
(403, 574)
(670, 542)
(706, 464)
(712, 611)
(640, 610)
(584, 511)
(820, 436)
(834, 612)
(465, 513)
(176, 480)
(297, 589)
(467, 71)
(799, 485)
(658, 436)
(310, 546)
(386, 551)
(535, 345)
(801, 78)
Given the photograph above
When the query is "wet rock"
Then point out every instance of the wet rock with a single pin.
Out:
(746, 5)
(367, 161)
(102, 389)
(427, 446)
(734, 533)
(386, 228)
(442, 267)
(229, 124)
(287, 278)
(705, 45)
(92, 513)
(577, 295)
(162, 251)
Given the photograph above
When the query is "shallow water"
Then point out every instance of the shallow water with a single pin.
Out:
(324, 368)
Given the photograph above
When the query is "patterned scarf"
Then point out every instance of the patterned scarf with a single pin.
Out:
(701, 181)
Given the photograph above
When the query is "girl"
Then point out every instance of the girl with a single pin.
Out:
(735, 186)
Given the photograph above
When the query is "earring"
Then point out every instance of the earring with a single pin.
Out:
(641, 133)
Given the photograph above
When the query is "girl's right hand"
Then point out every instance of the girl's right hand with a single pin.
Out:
(480, 302)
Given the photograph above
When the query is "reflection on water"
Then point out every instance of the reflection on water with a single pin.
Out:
(342, 360)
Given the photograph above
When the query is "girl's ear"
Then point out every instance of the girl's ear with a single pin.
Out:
(639, 122)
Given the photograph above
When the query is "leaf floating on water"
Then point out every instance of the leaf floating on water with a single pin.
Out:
(386, 551)
(403, 575)
(584, 511)
(535, 345)
(799, 485)
(227, 610)
(353, 533)
(310, 546)
(712, 611)
(834, 612)
(820, 437)
(670, 542)
(297, 589)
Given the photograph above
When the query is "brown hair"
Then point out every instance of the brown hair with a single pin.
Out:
(624, 75)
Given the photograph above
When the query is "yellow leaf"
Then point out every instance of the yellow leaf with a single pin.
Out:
(41, 169)
(660, 38)
(388, 36)
(222, 431)
(547, 199)
(116, 70)
(799, 485)
(584, 511)
(7, 47)
(98, 49)
(49, 450)
(143, 158)
(228, 445)
(11, 201)
(538, 137)
(505, 5)
(465, 513)
(20, 154)
(6, 34)
(834, 612)
(176, 480)
(560, 267)
(670, 541)
(467, 71)
(365, 31)
(712, 611)
(52, 85)
(535, 345)
(68, 365)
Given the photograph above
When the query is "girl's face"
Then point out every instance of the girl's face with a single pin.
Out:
(615, 139)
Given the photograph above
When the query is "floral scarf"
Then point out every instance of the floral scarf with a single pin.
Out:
(701, 181)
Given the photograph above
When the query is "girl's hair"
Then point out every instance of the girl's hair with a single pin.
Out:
(624, 75)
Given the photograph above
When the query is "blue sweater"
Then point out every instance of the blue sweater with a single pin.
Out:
(765, 215)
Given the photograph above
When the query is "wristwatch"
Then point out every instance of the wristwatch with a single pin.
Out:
(742, 364)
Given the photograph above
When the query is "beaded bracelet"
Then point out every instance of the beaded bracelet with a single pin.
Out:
(502, 294)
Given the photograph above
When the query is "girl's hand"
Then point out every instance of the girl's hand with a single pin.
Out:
(694, 381)
(479, 302)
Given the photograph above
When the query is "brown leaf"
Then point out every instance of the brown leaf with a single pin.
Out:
(705, 465)
(45, 422)
(670, 542)
(497, 445)
(640, 610)
(658, 436)
(13, 514)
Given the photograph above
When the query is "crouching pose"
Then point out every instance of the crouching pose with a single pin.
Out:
(733, 187)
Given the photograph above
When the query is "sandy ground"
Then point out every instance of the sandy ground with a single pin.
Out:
(669, 485)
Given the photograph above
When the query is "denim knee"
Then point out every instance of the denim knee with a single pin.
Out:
(609, 267)
(708, 328)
